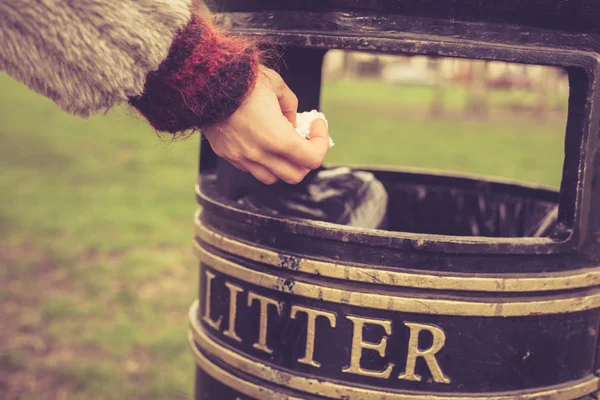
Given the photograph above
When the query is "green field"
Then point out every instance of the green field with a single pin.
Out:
(96, 224)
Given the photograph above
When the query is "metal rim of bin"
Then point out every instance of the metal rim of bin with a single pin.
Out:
(432, 242)
(581, 278)
(441, 305)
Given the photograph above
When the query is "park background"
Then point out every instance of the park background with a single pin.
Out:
(96, 268)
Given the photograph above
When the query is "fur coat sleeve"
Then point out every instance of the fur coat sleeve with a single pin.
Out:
(87, 55)
(171, 64)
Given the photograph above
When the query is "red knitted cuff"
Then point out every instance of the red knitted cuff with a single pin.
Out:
(204, 79)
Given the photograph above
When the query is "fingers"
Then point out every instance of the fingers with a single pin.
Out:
(288, 102)
(284, 170)
(238, 165)
(319, 139)
(258, 137)
(260, 172)
(307, 153)
(270, 168)
(275, 165)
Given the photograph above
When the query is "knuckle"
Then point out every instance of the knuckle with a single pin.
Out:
(253, 154)
(268, 180)
(269, 71)
(275, 146)
(315, 162)
(271, 75)
(296, 177)
(235, 156)
(218, 151)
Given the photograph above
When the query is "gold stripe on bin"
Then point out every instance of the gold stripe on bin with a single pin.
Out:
(581, 278)
(420, 305)
(332, 390)
(247, 388)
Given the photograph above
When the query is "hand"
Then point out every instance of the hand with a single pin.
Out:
(260, 137)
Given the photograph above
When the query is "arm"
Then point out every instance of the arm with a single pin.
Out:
(178, 70)
(87, 55)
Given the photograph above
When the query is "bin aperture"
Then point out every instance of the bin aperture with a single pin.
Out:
(494, 210)
(453, 114)
(426, 206)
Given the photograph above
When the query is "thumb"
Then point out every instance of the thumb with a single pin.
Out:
(319, 139)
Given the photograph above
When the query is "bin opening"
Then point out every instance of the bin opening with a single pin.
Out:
(489, 118)
(415, 202)
(523, 123)
(461, 206)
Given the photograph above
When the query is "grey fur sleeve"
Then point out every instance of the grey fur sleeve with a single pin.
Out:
(87, 55)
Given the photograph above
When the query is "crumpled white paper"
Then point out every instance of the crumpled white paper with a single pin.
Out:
(305, 119)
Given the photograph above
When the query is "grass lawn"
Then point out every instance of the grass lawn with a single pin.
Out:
(375, 123)
(96, 223)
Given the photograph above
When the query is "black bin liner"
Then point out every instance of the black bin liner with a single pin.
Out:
(397, 201)
(447, 205)
(339, 195)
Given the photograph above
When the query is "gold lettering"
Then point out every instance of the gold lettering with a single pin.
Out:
(234, 290)
(262, 326)
(207, 290)
(311, 317)
(439, 339)
(358, 345)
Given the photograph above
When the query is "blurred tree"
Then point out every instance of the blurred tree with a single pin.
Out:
(349, 65)
(437, 101)
(477, 93)
(544, 92)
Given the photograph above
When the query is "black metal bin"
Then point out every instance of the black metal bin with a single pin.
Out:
(433, 308)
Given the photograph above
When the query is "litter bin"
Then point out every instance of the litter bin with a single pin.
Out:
(480, 289)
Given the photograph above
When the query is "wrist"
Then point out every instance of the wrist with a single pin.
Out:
(204, 79)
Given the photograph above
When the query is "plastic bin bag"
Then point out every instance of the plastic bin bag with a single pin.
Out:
(338, 195)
